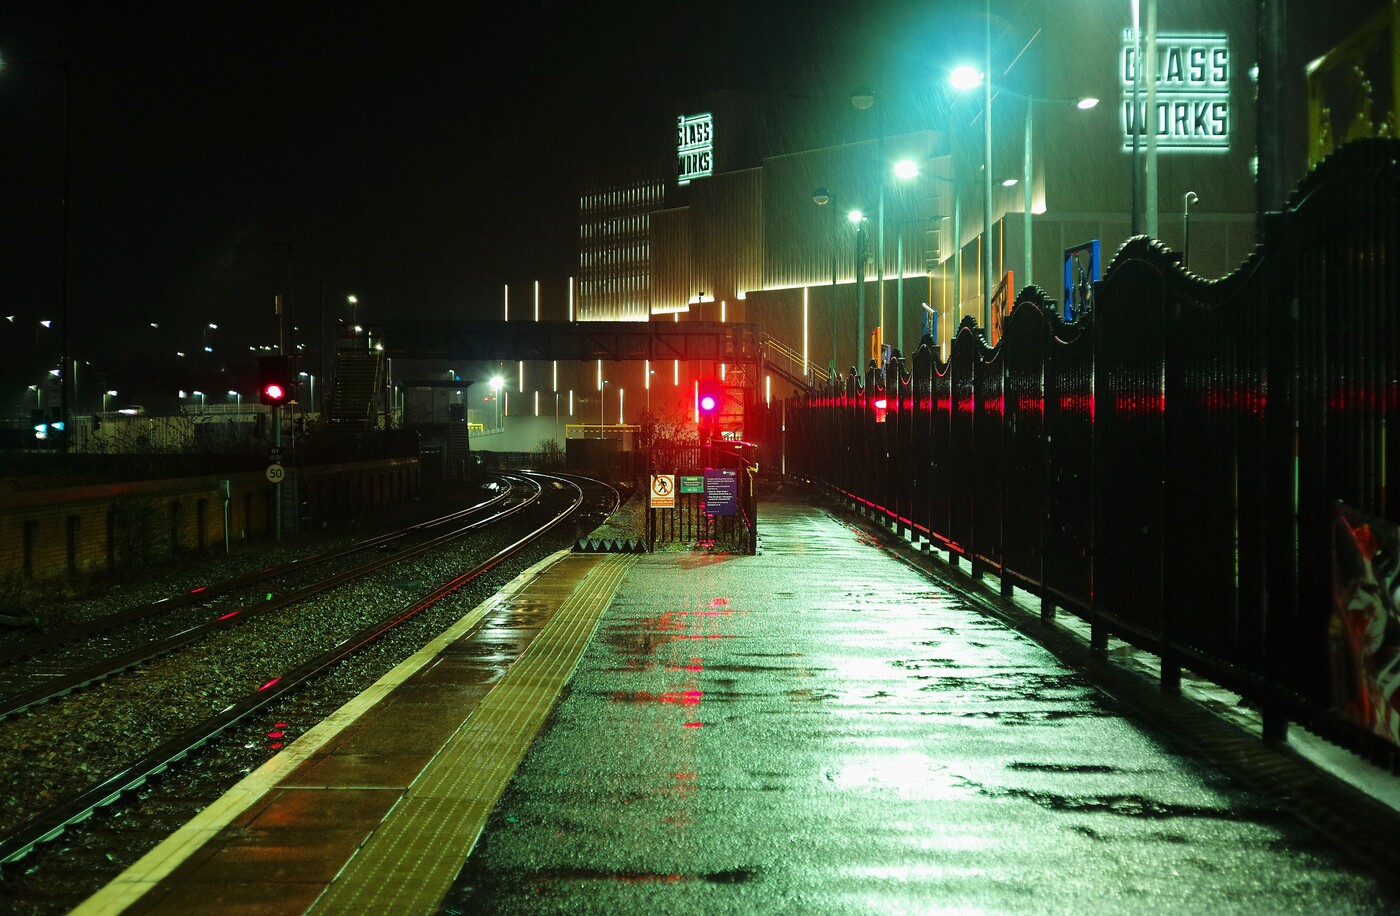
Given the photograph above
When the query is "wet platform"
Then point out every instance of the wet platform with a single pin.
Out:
(821, 728)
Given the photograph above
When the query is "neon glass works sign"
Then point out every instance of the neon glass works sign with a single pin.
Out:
(1193, 93)
(695, 147)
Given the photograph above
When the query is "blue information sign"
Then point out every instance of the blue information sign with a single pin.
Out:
(722, 491)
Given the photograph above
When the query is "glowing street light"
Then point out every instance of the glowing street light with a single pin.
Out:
(602, 400)
(963, 79)
(497, 383)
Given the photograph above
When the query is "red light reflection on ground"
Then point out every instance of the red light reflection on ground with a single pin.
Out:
(694, 725)
(196, 591)
(230, 614)
(670, 697)
(268, 684)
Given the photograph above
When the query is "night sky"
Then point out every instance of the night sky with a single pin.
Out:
(418, 155)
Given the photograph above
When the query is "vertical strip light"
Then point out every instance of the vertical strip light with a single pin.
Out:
(571, 402)
(556, 376)
(537, 403)
(505, 401)
(722, 310)
(722, 371)
(571, 299)
(537, 300)
(521, 386)
(676, 374)
(620, 393)
(804, 330)
(646, 376)
(600, 375)
(768, 390)
(507, 301)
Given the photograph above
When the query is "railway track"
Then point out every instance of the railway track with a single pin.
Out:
(565, 499)
(54, 666)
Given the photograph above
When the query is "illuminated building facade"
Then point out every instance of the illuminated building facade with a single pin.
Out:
(734, 234)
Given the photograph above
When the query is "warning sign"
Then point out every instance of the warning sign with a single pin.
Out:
(663, 491)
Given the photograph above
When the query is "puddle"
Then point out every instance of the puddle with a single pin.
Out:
(1026, 767)
(1136, 806)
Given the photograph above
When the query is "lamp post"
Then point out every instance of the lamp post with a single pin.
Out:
(907, 169)
(105, 395)
(863, 99)
(311, 388)
(1187, 200)
(860, 222)
(497, 383)
(237, 403)
(200, 394)
(823, 198)
(602, 400)
(1028, 177)
(967, 77)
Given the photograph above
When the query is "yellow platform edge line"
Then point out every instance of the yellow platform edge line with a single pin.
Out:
(409, 863)
(148, 871)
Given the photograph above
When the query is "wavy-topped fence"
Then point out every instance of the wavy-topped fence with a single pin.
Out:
(1173, 466)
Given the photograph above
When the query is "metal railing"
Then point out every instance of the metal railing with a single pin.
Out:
(1171, 467)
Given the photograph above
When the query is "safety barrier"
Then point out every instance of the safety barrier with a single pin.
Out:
(1171, 466)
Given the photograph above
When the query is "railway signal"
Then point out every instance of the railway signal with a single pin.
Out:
(274, 380)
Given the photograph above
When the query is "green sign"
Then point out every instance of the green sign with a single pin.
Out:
(695, 484)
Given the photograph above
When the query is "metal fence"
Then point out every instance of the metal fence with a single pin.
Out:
(1170, 467)
(693, 524)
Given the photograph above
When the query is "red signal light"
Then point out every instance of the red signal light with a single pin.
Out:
(275, 386)
(708, 397)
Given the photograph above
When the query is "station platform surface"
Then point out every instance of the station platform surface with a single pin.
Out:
(823, 727)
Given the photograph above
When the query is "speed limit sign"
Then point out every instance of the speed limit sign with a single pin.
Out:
(275, 473)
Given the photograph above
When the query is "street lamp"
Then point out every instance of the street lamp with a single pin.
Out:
(237, 403)
(105, 395)
(209, 327)
(860, 222)
(311, 389)
(200, 394)
(353, 300)
(908, 169)
(964, 78)
(602, 400)
(1189, 198)
(863, 99)
(1028, 174)
(822, 198)
(497, 383)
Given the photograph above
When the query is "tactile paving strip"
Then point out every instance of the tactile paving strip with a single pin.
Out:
(410, 861)
(181, 869)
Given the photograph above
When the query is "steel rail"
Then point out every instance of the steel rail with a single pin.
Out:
(76, 680)
(195, 596)
(52, 823)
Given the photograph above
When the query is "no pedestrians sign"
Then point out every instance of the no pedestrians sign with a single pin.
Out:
(663, 491)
